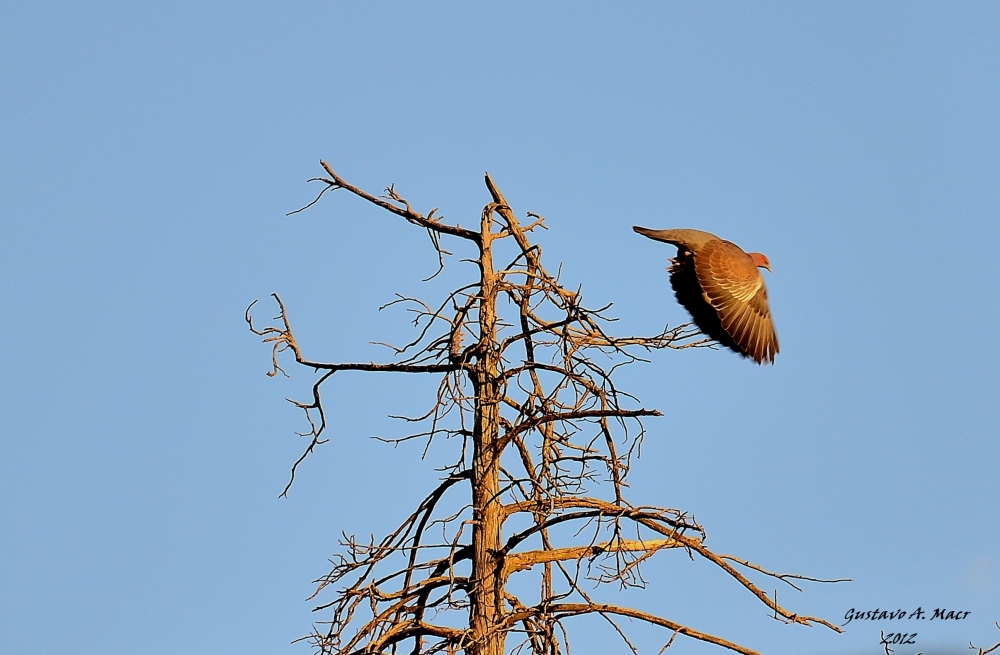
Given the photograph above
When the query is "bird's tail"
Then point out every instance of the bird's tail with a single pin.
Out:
(683, 237)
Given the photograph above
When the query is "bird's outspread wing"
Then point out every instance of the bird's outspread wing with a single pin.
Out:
(735, 288)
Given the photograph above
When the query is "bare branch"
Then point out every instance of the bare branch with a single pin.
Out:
(784, 577)
(521, 561)
(571, 416)
(576, 609)
(986, 650)
(405, 211)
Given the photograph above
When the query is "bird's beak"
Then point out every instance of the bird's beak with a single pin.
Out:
(768, 267)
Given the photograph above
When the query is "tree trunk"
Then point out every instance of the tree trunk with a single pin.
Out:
(487, 589)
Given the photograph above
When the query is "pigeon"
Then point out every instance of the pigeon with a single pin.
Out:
(720, 286)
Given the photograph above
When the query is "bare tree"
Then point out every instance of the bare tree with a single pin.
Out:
(527, 396)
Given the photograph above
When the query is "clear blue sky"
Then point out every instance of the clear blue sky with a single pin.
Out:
(150, 152)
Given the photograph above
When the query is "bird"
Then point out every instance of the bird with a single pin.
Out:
(719, 284)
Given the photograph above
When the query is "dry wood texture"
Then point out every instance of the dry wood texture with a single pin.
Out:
(545, 442)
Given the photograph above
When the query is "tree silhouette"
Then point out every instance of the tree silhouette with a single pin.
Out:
(544, 441)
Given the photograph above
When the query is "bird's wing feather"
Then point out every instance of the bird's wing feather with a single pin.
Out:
(734, 287)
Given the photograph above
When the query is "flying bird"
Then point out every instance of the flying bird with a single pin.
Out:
(720, 286)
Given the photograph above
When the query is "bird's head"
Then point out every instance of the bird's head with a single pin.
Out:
(761, 261)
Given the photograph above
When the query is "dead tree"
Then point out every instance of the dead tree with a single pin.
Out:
(539, 427)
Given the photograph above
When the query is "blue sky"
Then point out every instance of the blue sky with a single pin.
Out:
(150, 154)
